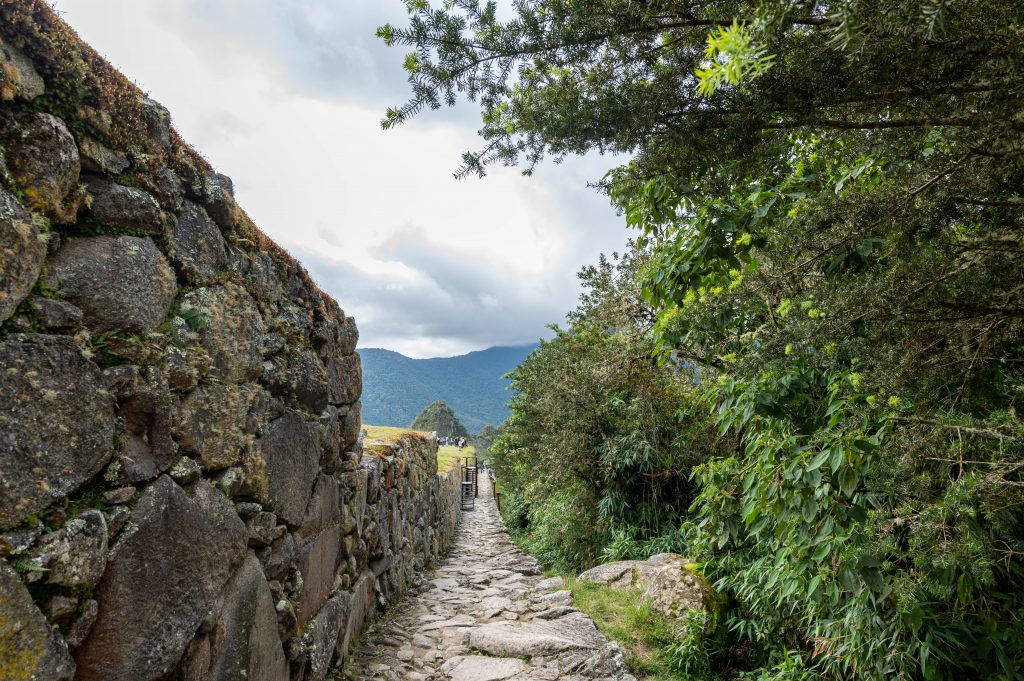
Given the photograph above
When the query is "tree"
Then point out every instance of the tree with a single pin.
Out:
(439, 418)
(593, 451)
(831, 196)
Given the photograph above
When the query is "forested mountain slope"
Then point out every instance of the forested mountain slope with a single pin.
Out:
(396, 388)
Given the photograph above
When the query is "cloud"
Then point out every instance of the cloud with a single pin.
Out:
(286, 98)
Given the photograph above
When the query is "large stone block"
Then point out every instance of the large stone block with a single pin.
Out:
(30, 650)
(244, 644)
(321, 636)
(196, 245)
(230, 330)
(210, 423)
(22, 252)
(282, 467)
(317, 561)
(46, 164)
(300, 376)
(56, 425)
(164, 574)
(121, 283)
(362, 606)
(120, 206)
(346, 379)
(73, 556)
(324, 510)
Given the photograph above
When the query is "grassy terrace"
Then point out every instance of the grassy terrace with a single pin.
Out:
(446, 456)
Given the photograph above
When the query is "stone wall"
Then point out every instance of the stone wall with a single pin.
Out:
(183, 490)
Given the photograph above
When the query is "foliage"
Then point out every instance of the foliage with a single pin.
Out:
(831, 194)
(595, 444)
(439, 418)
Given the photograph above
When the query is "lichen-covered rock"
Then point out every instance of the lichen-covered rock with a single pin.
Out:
(73, 556)
(196, 245)
(283, 467)
(317, 560)
(210, 423)
(167, 188)
(626, 574)
(244, 645)
(230, 329)
(98, 158)
(220, 200)
(30, 649)
(46, 164)
(18, 77)
(319, 639)
(161, 582)
(56, 425)
(145, 447)
(361, 607)
(324, 510)
(299, 376)
(120, 206)
(675, 591)
(121, 283)
(56, 315)
(345, 375)
(22, 252)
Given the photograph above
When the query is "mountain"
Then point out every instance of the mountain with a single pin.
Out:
(396, 388)
(439, 418)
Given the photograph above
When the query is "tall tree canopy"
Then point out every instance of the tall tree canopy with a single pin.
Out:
(832, 193)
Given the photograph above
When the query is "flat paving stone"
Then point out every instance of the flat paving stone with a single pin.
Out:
(486, 614)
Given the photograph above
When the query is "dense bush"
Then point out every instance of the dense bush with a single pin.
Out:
(595, 447)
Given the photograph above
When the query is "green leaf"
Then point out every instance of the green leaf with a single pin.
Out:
(820, 552)
(817, 461)
(835, 458)
(810, 509)
(848, 480)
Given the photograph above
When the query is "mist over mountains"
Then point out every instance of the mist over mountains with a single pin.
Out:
(396, 388)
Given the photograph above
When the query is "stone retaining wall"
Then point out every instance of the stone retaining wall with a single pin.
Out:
(183, 490)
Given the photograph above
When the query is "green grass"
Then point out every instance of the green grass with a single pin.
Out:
(624, 617)
(445, 455)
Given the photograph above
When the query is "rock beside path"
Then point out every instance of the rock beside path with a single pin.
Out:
(486, 614)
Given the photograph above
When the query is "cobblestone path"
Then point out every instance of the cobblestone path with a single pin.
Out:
(486, 614)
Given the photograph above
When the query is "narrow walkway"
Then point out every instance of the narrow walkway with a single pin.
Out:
(486, 614)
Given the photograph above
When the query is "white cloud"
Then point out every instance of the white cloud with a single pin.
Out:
(286, 99)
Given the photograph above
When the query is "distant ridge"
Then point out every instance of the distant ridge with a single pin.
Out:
(396, 388)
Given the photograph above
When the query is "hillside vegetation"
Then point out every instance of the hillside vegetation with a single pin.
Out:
(396, 388)
(438, 417)
(817, 393)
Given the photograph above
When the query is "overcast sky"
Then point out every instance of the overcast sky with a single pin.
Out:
(286, 97)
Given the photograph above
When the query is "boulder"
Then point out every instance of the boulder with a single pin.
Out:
(281, 470)
(675, 591)
(625, 574)
(73, 556)
(18, 77)
(220, 200)
(121, 283)
(56, 425)
(46, 165)
(324, 510)
(22, 252)
(30, 649)
(210, 423)
(230, 328)
(119, 206)
(196, 246)
(161, 581)
(244, 644)
(167, 188)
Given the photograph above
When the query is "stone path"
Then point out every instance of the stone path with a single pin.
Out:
(486, 614)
